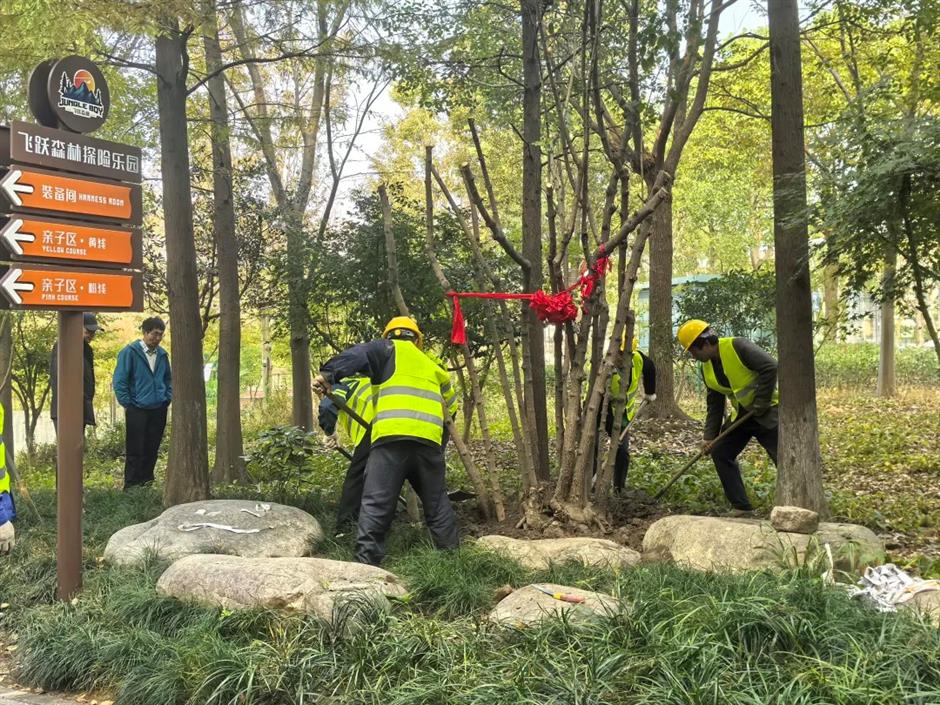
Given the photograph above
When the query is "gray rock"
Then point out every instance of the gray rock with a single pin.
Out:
(794, 520)
(312, 585)
(538, 554)
(926, 603)
(528, 606)
(277, 530)
(713, 543)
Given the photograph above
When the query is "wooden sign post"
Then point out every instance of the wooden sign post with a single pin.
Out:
(70, 211)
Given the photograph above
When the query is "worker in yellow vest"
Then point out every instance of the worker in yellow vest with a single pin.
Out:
(357, 393)
(412, 394)
(736, 370)
(638, 366)
(7, 510)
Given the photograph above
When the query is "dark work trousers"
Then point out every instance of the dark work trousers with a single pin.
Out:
(622, 461)
(725, 456)
(389, 465)
(347, 514)
(142, 437)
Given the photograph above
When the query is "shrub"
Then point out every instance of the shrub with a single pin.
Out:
(856, 365)
(738, 303)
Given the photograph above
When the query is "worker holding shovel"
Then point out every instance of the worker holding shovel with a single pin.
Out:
(737, 370)
(356, 394)
(412, 394)
(638, 367)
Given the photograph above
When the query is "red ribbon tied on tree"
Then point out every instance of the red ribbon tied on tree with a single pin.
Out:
(548, 308)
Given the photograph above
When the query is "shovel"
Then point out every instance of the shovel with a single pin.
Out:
(685, 468)
(639, 411)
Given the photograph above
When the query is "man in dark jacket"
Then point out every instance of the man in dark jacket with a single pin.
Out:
(734, 370)
(143, 386)
(88, 373)
(357, 393)
(412, 394)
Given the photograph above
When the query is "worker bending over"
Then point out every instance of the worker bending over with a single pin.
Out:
(412, 394)
(357, 393)
(738, 370)
(638, 366)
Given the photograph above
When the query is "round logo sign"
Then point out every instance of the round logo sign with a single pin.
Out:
(78, 94)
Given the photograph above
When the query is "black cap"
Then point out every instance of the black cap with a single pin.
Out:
(90, 321)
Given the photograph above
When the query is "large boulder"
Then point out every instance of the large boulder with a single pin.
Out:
(312, 585)
(528, 606)
(227, 526)
(538, 554)
(794, 520)
(713, 543)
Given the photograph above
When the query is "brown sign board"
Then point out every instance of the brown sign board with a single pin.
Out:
(39, 287)
(30, 239)
(59, 149)
(31, 190)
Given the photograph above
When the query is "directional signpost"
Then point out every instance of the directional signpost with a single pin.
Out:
(70, 241)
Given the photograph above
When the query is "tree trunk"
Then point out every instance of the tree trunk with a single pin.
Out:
(831, 308)
(661, 313)
(6, 381)
(267, 363)
(298, 315)
(229, 466)
(799, 471)
(887, 383)
(532, 224)
(187, 475)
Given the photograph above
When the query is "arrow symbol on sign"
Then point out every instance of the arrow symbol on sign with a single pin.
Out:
(11, 233)
(12, 286)
(12, 188)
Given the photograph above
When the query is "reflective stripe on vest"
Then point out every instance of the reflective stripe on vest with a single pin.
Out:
(742, 379)
(4, 476)
(629, 409)
(361, 400)
(411, 402)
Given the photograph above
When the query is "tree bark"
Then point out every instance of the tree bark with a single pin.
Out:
(799, 471)
(532, 224)
(187, 474)
(831, 308)
(887, 382)
(298, 316)
(391, 254)
(661, 313)
(229, 466)
(267, 362)
(6, 381)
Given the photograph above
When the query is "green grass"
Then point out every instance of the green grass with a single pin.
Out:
(686, 638)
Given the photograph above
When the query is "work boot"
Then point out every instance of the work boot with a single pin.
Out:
(742, 514)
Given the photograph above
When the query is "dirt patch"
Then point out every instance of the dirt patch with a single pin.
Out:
(630, 514)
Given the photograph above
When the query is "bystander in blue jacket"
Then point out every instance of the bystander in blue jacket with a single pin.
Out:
(143, 386)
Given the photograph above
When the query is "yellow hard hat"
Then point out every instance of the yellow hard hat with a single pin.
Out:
(689, 331)
(402, 323)
(636, 343)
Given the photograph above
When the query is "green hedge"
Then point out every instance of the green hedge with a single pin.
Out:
(856, 365)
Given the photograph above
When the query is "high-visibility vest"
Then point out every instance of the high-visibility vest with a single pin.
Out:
(411, 403)
(629, 409)
(742, 379)
(4, 475)
(360, 398)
